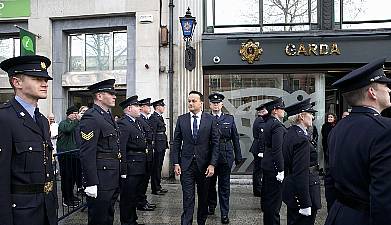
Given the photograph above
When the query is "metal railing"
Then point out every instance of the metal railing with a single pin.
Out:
(70, 191)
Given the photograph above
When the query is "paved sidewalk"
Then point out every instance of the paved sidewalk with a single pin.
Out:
(245, 209)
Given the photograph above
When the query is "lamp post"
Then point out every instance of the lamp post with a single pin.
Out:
(188, 24)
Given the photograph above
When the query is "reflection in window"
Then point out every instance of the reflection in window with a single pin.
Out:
(362, 14)
(77, 56)
(9, 48)
(97, 52)
(120, 51)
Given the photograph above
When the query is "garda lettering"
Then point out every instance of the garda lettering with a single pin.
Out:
(312, 49)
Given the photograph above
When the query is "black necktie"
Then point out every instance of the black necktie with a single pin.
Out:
(217, 117)
(195, 127)
(37, 117)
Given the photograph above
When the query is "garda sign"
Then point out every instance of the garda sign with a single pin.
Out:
(14, 8)
(303, 49)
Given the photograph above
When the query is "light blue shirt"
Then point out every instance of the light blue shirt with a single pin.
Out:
(133, 119)
(27, 106)
(304, 129)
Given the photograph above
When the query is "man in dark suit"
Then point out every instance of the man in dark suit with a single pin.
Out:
(160, 146)
(195, 154)
(100, 154)
(258, 148)
(134, 148)
(27, 188)
(145, 110)
(229, 148)
(359, 173)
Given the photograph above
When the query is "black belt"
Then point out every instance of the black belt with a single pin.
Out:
(108, 155)
(32, 188)
(313, 169)
(352, 202)
(225, 140)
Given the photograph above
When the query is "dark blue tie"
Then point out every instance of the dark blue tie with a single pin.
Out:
(37, 117)
(195, 127)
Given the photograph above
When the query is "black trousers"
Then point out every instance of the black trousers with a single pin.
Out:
(101, 209)
(129, 195)
(257, 175)
(70, 170)
(189, 179)
(295, 218)
(271, 198)
(142, 196)
(158, 158)
(222, 172)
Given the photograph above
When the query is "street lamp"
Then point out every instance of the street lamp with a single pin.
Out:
(188, 24)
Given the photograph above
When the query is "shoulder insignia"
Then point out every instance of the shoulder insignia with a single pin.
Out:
(226, 123)
(88, 136)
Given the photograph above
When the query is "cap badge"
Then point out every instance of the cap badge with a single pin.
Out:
(43, 65)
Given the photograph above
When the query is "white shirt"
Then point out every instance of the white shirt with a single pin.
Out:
(192, 120)
(218, 114)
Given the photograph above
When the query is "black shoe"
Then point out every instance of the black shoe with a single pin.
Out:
(151, 205)
(158, 193)
(75, 199)
(145, 208)
(162, 190)
(70, 204)
(211, 210)
(224, 220)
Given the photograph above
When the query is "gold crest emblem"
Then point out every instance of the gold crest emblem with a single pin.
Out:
(88, 136)
(43, 65)
(250, 51)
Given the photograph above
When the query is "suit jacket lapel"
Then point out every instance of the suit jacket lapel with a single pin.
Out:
(28, 121)
(187, 126)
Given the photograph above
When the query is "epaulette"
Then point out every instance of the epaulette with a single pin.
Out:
(5, 105)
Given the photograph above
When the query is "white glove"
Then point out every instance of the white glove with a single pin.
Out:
(91, 191)
(280, 176)
(305, 211)
(123, 176)
(260, 155)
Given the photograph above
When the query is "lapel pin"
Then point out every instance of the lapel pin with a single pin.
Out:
(22, 113)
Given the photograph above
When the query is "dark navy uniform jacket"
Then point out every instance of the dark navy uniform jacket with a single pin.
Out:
(133, 146)
(159, 132)
(258, 145)
(146, 124)
(274, 137)
(205, 149)
(229, 140)
(99, 150)
(25, 159)
(360, 167)
(301, 186)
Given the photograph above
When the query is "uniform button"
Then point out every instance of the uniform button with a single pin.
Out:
(0, 149)
(104, 167)
(30, 148)
(47, 175)
(13, 205)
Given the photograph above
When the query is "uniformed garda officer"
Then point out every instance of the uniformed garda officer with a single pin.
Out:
(100, 154)
(160, 146)
(145, 110)
(301, 192)
(134, 146)
(273, 163)
(359, 150)
(27, 190)
(258, 148)
(229, 149)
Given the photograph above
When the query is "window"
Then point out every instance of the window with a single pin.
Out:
(98, 51)
(9, 47)
(225, 16)
(362, 14)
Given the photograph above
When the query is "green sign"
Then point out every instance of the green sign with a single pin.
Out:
(27, 42)
(14, 8)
